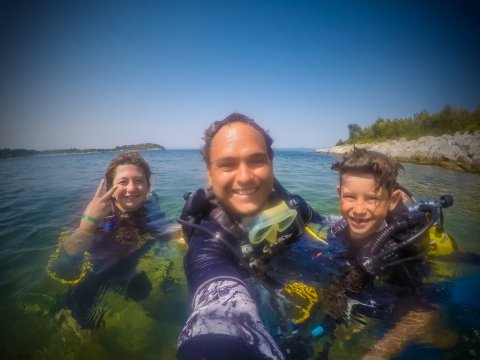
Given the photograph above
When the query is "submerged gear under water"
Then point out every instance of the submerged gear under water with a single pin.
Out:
(304, 289)
(381, 283)
(110, 263)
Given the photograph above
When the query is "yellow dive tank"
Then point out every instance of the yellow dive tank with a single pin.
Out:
(440, 242)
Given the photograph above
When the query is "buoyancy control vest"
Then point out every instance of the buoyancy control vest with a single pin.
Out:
(202, 205)
(406, 237)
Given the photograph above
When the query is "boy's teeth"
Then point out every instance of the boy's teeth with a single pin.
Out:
(360, 220)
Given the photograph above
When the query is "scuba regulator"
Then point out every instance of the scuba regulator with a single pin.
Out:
(258, 239)
(406, 238)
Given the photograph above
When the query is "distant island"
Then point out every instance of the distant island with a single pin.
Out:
(9, 153)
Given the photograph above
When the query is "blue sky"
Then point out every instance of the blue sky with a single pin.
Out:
(100, 74)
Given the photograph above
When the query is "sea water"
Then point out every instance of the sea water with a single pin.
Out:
(42, 196)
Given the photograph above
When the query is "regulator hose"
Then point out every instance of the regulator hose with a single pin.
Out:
(373, 259)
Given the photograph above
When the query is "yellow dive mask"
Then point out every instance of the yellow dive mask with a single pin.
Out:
(267, 224)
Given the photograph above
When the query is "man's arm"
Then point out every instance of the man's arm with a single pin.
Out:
(224, 321)
(410, 328)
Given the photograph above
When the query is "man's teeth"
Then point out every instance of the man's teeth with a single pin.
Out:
(245, 192)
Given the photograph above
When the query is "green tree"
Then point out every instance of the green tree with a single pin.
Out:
(448, 121)
(354, 131)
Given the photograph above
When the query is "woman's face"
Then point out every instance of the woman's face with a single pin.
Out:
(132, 187)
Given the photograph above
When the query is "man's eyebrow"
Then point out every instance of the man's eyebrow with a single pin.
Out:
(259, 154)
(225, 158)
(234, 158)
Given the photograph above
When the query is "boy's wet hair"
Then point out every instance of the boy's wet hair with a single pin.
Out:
(384, 169)
(126, 158)
(232, 118)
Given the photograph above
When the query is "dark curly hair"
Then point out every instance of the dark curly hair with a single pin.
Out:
(232, 118)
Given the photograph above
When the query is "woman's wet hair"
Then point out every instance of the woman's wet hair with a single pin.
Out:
(126, 158)
(384, 169)
(232, 118)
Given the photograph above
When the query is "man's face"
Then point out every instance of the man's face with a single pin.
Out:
(363, 208)
(240, 171)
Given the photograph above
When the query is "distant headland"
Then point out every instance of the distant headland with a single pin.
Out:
(459, 151)
(450, 139)
(9, 153)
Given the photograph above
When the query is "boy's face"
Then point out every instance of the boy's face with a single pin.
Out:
(363, 208)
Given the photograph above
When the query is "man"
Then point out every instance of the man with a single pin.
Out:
(245, 215)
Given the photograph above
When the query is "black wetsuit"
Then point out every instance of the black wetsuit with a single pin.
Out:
(225, 323)
(381, 287)
(117, 246)
(236, 318)
(230, 320)
(353, 295)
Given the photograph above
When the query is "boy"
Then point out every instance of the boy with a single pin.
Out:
(368, 193)
(370, 200)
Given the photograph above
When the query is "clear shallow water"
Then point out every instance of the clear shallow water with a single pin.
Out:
(41, 196)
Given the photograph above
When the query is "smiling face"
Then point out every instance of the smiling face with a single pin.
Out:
(132, 187)
(363, 208)
(240, 170)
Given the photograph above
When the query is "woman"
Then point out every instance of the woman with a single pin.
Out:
(114, 231)
(127, 183)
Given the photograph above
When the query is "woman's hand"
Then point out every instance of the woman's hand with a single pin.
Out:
(99, 207)
(101, 204)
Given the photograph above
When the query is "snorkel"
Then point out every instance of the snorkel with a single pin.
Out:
(384, 251)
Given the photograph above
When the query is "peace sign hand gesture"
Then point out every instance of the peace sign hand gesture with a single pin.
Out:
(100, 206)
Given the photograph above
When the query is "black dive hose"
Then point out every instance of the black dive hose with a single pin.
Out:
(375, 258)
(398, 224)
(405, 259)
(432, 207)
(426, 227)
(215, 235)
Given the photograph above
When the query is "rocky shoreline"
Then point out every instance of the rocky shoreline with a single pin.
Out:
(459, 152)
